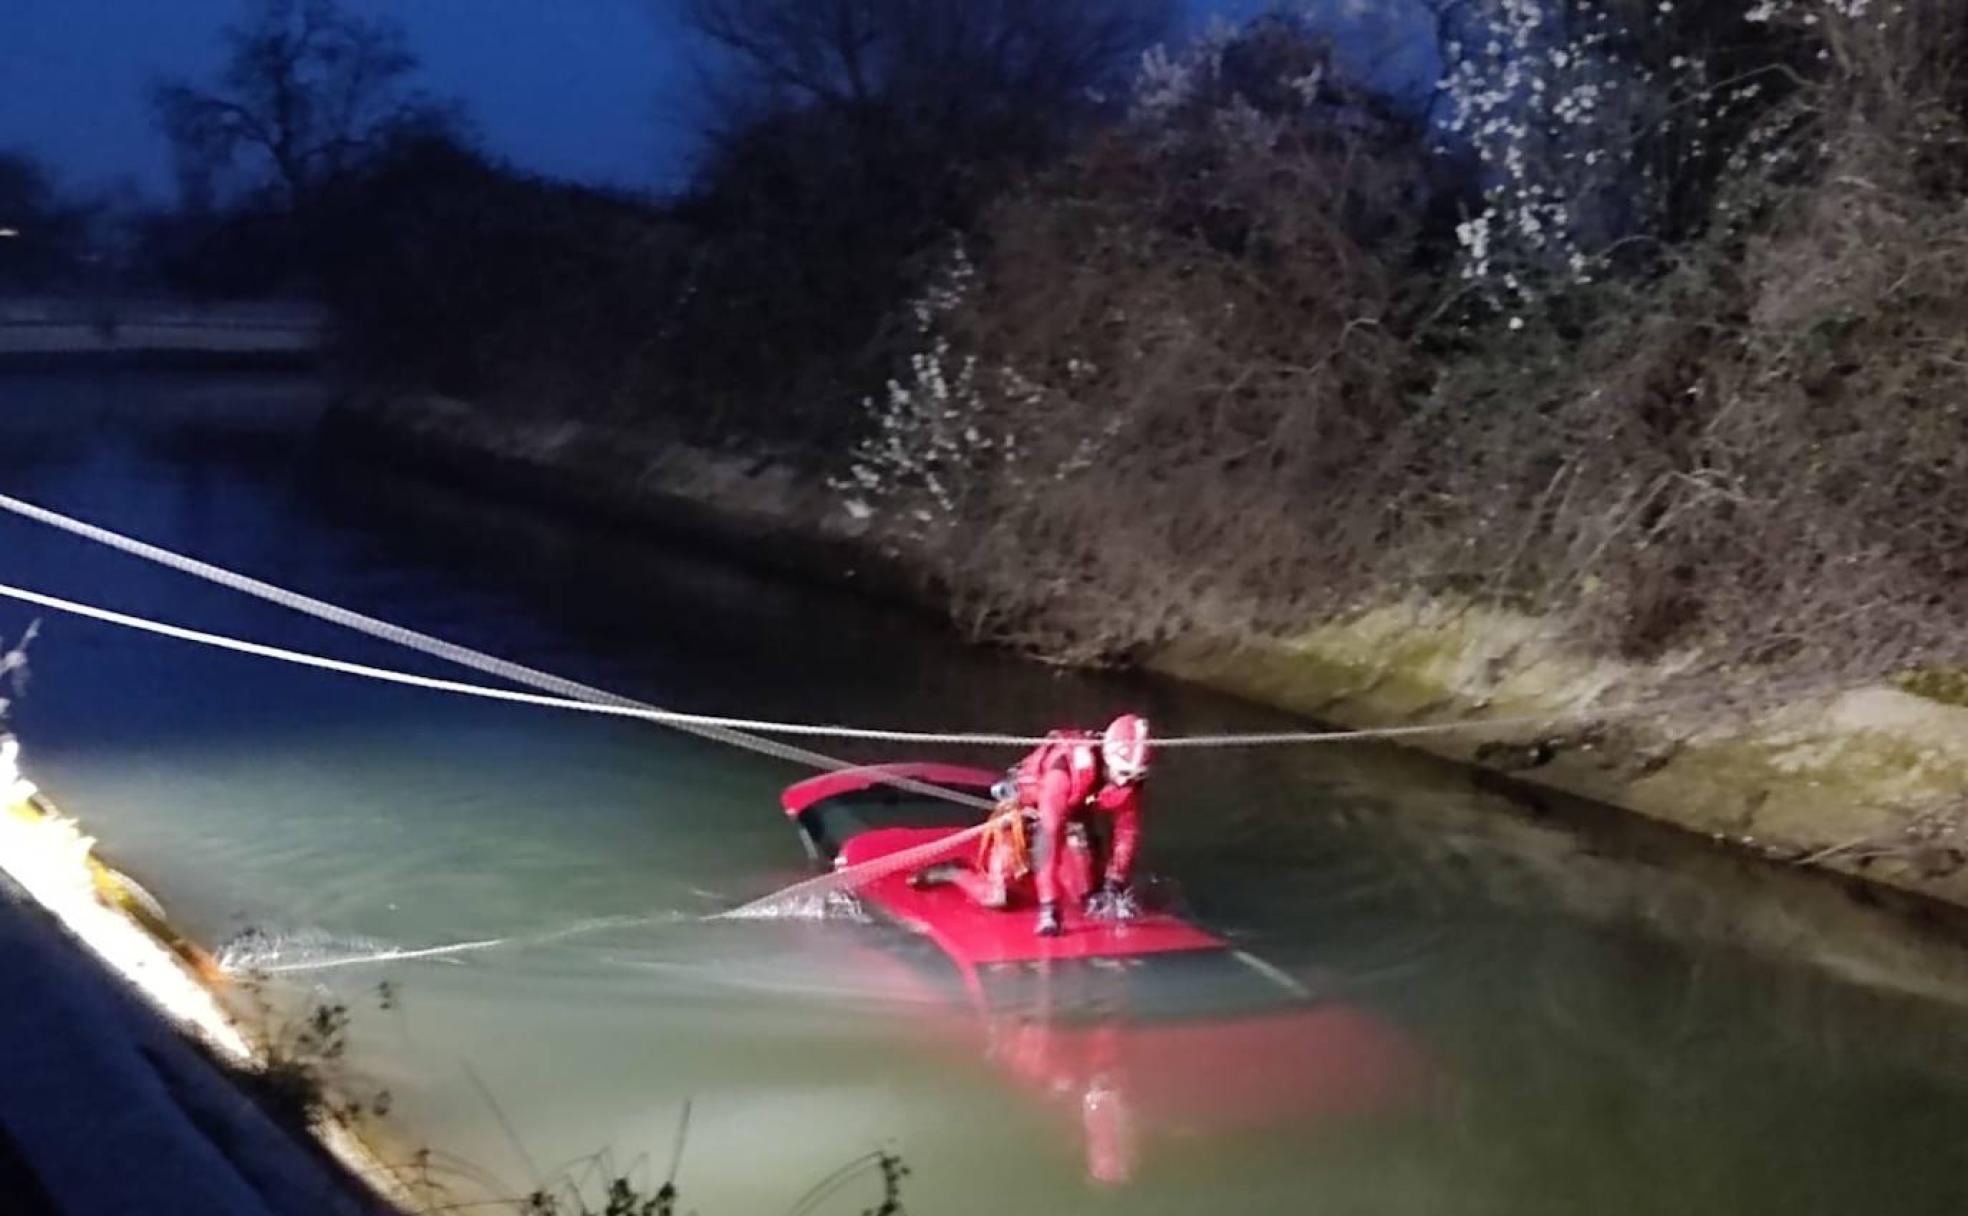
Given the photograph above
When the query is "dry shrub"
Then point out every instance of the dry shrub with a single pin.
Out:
(1836, 434)
(1228, 390)
(1185, 335)
(1757, 456)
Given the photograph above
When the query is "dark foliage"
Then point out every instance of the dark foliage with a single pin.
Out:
(855, 136)
(43, 237)
(449, 272)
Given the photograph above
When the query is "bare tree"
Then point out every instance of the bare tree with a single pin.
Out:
(308, 91)
(846, 138)
(959, 58)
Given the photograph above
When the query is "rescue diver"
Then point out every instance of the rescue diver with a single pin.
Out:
(1071, 775)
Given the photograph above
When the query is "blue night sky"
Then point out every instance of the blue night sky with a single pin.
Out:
(597, 90)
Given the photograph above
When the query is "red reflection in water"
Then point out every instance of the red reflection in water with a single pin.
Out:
(1133, 1031)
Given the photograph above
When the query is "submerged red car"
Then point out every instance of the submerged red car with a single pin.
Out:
(1139, 1029)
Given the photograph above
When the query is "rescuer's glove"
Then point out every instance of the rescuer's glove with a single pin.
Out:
(1113, 901)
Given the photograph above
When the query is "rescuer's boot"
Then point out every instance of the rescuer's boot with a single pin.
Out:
(1048, 925)
(1113, 901)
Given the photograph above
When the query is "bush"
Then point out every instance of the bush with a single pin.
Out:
(1749, 455)
(1174, 345)
(1226, 369)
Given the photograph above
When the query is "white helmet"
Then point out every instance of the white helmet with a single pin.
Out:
(1124, 749)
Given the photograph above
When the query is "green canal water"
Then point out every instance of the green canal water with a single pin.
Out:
(1513, 1012)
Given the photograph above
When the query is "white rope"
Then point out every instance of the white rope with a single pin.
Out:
(571, 694)
(380, 956)
(623, 708)
(854, 877)
(387, 675)
(824, 884)
(439, 648)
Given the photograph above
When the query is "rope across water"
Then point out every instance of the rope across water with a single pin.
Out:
(560, 693)
(570, 691)
(710, 724)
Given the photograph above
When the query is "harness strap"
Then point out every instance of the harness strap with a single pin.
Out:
(1005, 835)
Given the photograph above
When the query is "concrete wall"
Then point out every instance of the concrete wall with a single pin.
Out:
(51, 326)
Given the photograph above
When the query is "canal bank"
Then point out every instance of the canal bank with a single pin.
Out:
(95, 332)
(128, 1087)
(1863, 784)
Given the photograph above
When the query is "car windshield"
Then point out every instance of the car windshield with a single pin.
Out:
(886, 806)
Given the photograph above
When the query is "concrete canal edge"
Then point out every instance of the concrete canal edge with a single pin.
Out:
(1866, 785)
(84, 331)
(123, 1067)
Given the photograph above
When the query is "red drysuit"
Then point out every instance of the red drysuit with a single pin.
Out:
(1061, 778)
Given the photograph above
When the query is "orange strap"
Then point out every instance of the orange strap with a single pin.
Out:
(1006, 830)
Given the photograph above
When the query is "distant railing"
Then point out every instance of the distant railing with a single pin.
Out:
(54, 326)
